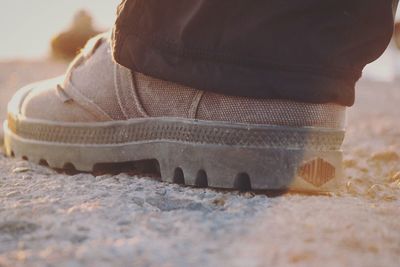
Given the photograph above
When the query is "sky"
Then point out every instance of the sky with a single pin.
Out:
(27, 26)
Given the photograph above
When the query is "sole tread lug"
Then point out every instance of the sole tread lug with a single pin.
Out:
(179, 177)
(201, 179)
(242, 182)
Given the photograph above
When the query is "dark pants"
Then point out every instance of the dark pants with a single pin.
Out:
(309, 50)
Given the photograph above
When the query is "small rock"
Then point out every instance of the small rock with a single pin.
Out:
(219, 201)
(196, 206)
(12, 194)
(395, 177)
(1, 138)
(161, 192)
(21, 169)
(356, 186)
(249, 194)
(76, 239)
(27, 177)
(138, 201)
(83, 229)
(385, 156)
(168, 204)
(17, 228)
(21, 245)
(123, 222)
(375, 191)
(350, 163)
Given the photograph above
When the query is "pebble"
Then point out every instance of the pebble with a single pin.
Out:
(385, 156)
(395, 177)
(21, 170)
(12, 194)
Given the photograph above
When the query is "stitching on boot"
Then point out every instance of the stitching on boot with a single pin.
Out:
(192, 113)
(118, 90)
(62, 94)
(126, 93)
(137, 102)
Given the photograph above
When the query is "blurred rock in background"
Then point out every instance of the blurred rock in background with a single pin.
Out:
(397, 34)
(67, 44)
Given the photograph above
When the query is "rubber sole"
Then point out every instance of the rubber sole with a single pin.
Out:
(191, 152)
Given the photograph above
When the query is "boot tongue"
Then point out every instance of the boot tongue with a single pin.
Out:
(91, 76)
(84, 55)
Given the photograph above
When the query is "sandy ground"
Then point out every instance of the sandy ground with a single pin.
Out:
(50, 219)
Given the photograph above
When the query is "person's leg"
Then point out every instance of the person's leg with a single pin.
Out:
(102, 113)
(309, 51)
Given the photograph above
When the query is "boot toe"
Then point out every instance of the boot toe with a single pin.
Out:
(42, 101)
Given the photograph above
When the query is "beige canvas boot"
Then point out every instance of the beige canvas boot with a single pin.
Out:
(100, 112)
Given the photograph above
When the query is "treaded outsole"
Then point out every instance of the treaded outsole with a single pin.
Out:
(204, 164)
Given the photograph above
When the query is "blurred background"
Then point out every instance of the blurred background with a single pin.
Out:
(28, 26)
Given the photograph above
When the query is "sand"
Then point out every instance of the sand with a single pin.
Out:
(51, 219)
